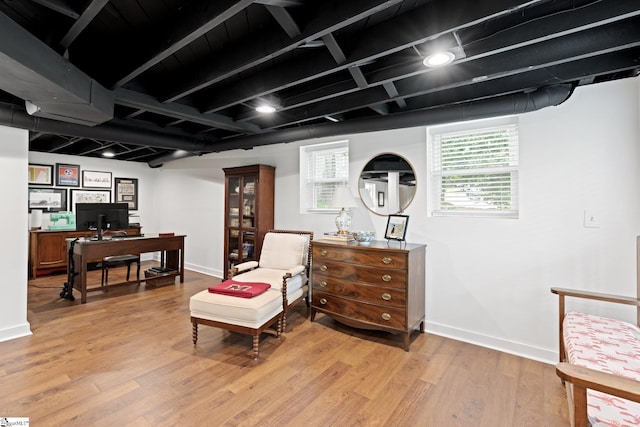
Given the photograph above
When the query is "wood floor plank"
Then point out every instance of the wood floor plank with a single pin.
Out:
(127, 358)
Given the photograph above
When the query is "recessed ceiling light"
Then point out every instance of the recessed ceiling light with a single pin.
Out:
(439, 59)
(108, 154)
(265, 109)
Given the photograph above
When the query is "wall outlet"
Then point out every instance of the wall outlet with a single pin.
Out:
(591, 219)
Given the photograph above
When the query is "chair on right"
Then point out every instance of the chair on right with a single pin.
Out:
(284, 264)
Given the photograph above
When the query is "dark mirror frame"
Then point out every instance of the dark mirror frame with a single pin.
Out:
(377, 170)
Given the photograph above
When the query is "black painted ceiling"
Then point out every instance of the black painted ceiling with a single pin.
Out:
(155, 80)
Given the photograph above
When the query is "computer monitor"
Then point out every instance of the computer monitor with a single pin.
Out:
(102, 216)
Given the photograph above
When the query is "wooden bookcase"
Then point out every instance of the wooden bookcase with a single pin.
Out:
(249, 193)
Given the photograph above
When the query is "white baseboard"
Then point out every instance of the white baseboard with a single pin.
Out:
(203, 270)
(500, 344)
(15, 332)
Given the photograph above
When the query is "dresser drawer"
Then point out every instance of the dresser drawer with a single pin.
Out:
(359, 256)
(391, 317)
(373, 294)
(388, 277)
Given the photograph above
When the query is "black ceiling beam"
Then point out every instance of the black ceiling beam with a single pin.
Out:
(565, 46)
(576, 71)
(338, 14)
(597, 43)
(284, 19)
(195, 23)
(59, 6)
(93, 8)
(139, 100)
(383, 39)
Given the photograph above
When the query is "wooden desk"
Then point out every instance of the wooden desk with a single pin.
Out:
(85, 251)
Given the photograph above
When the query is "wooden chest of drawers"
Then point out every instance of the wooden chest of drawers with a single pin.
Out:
(380, 287)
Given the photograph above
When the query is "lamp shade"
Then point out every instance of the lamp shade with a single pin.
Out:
(342, 198)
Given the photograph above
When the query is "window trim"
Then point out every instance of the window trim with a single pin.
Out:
(434, 187)
(304, 186)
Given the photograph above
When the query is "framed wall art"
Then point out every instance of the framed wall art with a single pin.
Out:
(95, 179)
(126, 191)
(396, 227)
(89, 196)
(40, 174)
(67, 175)
(47, 199)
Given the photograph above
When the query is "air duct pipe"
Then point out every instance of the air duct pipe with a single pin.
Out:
(114, 131)
(500, 106)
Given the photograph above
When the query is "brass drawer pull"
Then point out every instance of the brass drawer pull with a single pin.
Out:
(323, 301)
(323, 252)
(323, 284)
(386, 296)
(386, 260)
(386, 316)
(323, 268)
(385, 277)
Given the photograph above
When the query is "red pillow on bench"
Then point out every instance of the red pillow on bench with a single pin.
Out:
(239, 289)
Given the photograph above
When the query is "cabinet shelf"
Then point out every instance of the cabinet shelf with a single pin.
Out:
(243, 234)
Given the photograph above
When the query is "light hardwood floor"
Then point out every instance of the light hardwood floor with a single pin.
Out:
(126, 358)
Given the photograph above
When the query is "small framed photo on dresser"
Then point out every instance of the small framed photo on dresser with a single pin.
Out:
(396, 227)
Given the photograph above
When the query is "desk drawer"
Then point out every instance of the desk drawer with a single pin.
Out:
(390, 317)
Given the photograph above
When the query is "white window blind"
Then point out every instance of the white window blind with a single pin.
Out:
(475, 172)
(323, 167)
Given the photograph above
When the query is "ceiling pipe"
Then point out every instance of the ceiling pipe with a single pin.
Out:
(114, 131)
(493, 107)
(188, 145)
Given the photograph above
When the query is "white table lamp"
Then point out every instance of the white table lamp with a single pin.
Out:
(343, 199)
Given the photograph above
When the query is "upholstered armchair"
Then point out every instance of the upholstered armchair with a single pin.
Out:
(284, 264)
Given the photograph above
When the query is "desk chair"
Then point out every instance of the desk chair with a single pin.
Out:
(111, 261)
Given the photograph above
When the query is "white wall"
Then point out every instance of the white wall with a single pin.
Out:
(14, 145)
(487, 280)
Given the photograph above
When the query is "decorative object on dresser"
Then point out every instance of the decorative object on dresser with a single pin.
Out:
(343, 199)
(284, 265)
(396, 227)
(249, 195)
(373, 287)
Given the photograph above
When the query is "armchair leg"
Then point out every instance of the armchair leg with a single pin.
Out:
(256, 346)
(195, 332)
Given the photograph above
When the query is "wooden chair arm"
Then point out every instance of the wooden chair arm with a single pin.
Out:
(604, 382)
(596, 296)
(242, 267)
(294, 270)
(584, 378)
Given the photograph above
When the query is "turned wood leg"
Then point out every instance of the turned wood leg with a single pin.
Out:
(284, 323)
(195, 332)
(256, 346)
(406, 340)
(313, 314)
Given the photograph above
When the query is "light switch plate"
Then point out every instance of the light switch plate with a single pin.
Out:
(591, 219)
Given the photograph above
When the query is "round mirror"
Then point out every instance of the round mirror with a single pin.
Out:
(387, 184)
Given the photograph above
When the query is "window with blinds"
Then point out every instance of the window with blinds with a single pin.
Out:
(323, 168)
(474, 172)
